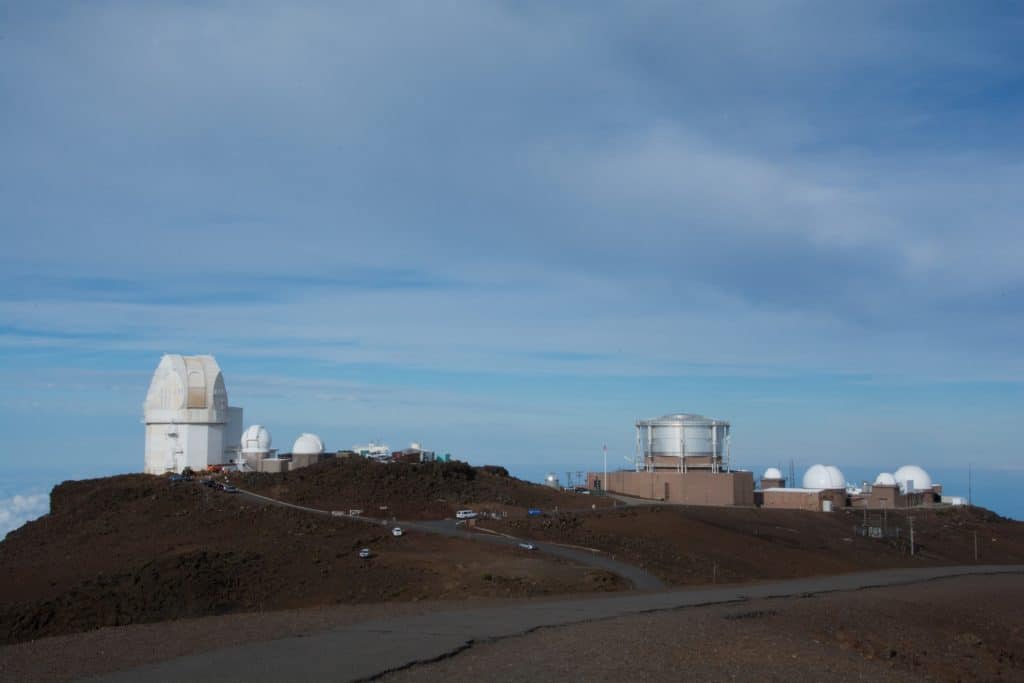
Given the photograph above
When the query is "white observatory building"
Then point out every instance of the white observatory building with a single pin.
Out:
(188, 421)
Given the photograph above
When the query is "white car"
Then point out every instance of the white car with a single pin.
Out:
(527, 546)
(364, 553)
(397, 531)
(465, 514)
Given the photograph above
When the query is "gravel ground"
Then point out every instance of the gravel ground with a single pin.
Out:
(963, 629)
(123, 647)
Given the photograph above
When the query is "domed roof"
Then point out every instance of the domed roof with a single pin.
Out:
(256, 439)
(885, 479)
(837, 476)
(188, 390)
(824, 477)
(916, 477)
(308, 444)
(772, 473)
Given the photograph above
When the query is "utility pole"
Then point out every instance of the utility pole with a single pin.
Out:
(970, 478)
(604, 481)
(911, 520)
(975, 546)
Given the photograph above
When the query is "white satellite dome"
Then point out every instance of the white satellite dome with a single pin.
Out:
(885, 479)
(256, 439)
(308, 444)
(916, 477)
(824, 477)
(772, 473)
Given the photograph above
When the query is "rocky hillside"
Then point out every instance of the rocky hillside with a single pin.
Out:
(411, 491)
(138, 548)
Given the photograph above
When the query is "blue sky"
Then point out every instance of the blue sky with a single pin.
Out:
(509, 229)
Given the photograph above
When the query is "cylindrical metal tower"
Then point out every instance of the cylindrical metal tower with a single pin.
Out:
(681, 442)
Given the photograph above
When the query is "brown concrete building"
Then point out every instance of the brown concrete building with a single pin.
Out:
(699, 487)
(793, 499)
(804, 499)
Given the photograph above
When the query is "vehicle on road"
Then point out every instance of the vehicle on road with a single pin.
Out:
(534, 512)
(228, 488)
(527, 546)
(209, 482)
(397, 531)
(364, 553)
(178, 477)
(465, 514)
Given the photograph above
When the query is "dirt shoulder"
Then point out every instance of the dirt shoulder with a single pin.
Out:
(960, 629)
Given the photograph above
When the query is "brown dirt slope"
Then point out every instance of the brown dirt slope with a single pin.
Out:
(410, 491)
(137, 548)
(696, 545)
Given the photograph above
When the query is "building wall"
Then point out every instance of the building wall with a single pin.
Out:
(303, 460)
(273, 465)
(793, 499)
(691, 488)
(888, 497)
(173, 447)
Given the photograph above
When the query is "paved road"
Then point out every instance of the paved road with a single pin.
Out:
(640, 579)
(367, 650)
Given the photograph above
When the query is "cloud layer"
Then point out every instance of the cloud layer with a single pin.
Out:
(19, 509)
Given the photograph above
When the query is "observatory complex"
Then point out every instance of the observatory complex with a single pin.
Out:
(190, 425)
(685, 458)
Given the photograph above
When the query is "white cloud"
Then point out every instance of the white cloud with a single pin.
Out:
(19, 509)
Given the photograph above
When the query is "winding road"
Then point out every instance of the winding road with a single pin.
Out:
(641, 580)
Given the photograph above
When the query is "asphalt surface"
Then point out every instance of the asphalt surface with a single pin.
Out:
(641, 580)
(369, 649)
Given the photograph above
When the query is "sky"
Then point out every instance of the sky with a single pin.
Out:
(509, 229)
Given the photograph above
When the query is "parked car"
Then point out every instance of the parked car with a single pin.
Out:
(209, 482)
(465, 514)
(397, 531)
(228, 488)
(527, 546)
(178, 477)
(364, 553)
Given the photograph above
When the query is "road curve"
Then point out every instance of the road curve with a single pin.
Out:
(641, 580)
(367, 650)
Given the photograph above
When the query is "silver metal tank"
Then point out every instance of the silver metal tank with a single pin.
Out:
(682, 435)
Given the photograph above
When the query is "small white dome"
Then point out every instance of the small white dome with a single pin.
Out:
(824, 477)
(308, 444)
(256, 439)
(772, 473)
(885, 479)
(916, 477)
(416, 446)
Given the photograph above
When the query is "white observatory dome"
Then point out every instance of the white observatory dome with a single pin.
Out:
(838, 478)
(308, 444)
(772, 473)
(824, 477)
(885, 479)
(256, 439)
(913, 478)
